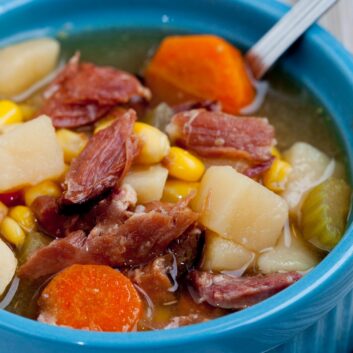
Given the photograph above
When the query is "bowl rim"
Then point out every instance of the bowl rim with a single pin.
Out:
(290, 299)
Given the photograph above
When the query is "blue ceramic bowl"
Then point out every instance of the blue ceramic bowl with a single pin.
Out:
(315, 314)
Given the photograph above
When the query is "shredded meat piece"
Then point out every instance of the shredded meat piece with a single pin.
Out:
(52, 221)
(231, 292)
(179, 321)
(120, 238)
(143, 236)
(159, 278)
(210, 105)
(58, 255)
(83, 93)
(153, 279)
(219, 135)
(103, 163)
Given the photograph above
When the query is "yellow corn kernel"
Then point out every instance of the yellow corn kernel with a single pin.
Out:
(24, 217)
(71, 142)
(155, 144)
(12, 231)
(10, 113)
(47, 187)
(28, 111)
(3, 211)
(103, 123)
(276, 153)
(176, 190)
(183, 165)
(276, 177)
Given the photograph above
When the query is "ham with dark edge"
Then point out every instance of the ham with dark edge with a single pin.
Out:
(83, 93)
(103, 163)
(121, 237)
(220, 135)
(230, 292)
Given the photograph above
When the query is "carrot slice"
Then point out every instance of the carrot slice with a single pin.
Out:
(199, 67)
(91, 297)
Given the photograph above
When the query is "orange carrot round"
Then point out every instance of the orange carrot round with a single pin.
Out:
(91, 297)
(196, 67)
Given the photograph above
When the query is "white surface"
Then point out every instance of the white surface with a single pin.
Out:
(339, 21)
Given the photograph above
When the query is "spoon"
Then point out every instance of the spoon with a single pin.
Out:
(284, 33)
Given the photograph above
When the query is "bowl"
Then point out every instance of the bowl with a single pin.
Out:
(315, 314)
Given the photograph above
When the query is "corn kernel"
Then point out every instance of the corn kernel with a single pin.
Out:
(71, 142)
(10, 113)
(103, 123)
(276, 177)
(28, 111)
(176, 190)
(276, 153)
(155, 144)
(3, 211)
(24, 217)
(183, 165)
(12, 231)
(47, 187)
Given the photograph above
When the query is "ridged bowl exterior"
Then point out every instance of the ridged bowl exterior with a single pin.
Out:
(315, 314)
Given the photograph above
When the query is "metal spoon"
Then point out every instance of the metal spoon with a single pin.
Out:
(284, 33)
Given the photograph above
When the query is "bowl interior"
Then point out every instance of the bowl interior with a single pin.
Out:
(317, 61)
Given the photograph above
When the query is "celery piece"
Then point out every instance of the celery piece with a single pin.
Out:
(324, 213)
(33, 242)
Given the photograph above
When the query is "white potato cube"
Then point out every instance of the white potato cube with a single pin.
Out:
(148, 182)
(298, 256)
(308, 166)
(29, 154)
(221, 254)
(8, 265)
(240, 209)
(23, 64)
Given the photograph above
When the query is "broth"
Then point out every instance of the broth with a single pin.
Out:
(291, 108)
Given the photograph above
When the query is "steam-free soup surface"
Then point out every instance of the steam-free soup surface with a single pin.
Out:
(290, 108)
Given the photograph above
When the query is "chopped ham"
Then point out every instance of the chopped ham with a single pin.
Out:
(143, 236)
(58, 255)
(220, 135)
(103, 163)
(52, 221)
(83, 93)
(158, 279)
(231, 292)
(210, 105)
(120, 238)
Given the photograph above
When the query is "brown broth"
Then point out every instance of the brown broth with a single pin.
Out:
(290, 107)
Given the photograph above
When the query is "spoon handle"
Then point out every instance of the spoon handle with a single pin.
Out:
(263, 54)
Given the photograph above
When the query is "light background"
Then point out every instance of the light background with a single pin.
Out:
(339, 21)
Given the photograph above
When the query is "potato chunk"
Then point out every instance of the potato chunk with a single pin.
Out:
(308, 165)
(23, 64)
(29, 154)
(298, 256)
(8, 264)
(148, 182)
(221, 254)
(240, 209)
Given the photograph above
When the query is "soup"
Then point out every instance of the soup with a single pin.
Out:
(158, 196)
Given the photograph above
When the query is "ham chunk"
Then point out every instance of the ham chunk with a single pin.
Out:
(103, 162)
(83, 93)
(219, 135)
(120, 238)
(236, 293)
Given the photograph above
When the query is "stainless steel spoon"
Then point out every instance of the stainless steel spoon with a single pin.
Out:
(284, 33)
